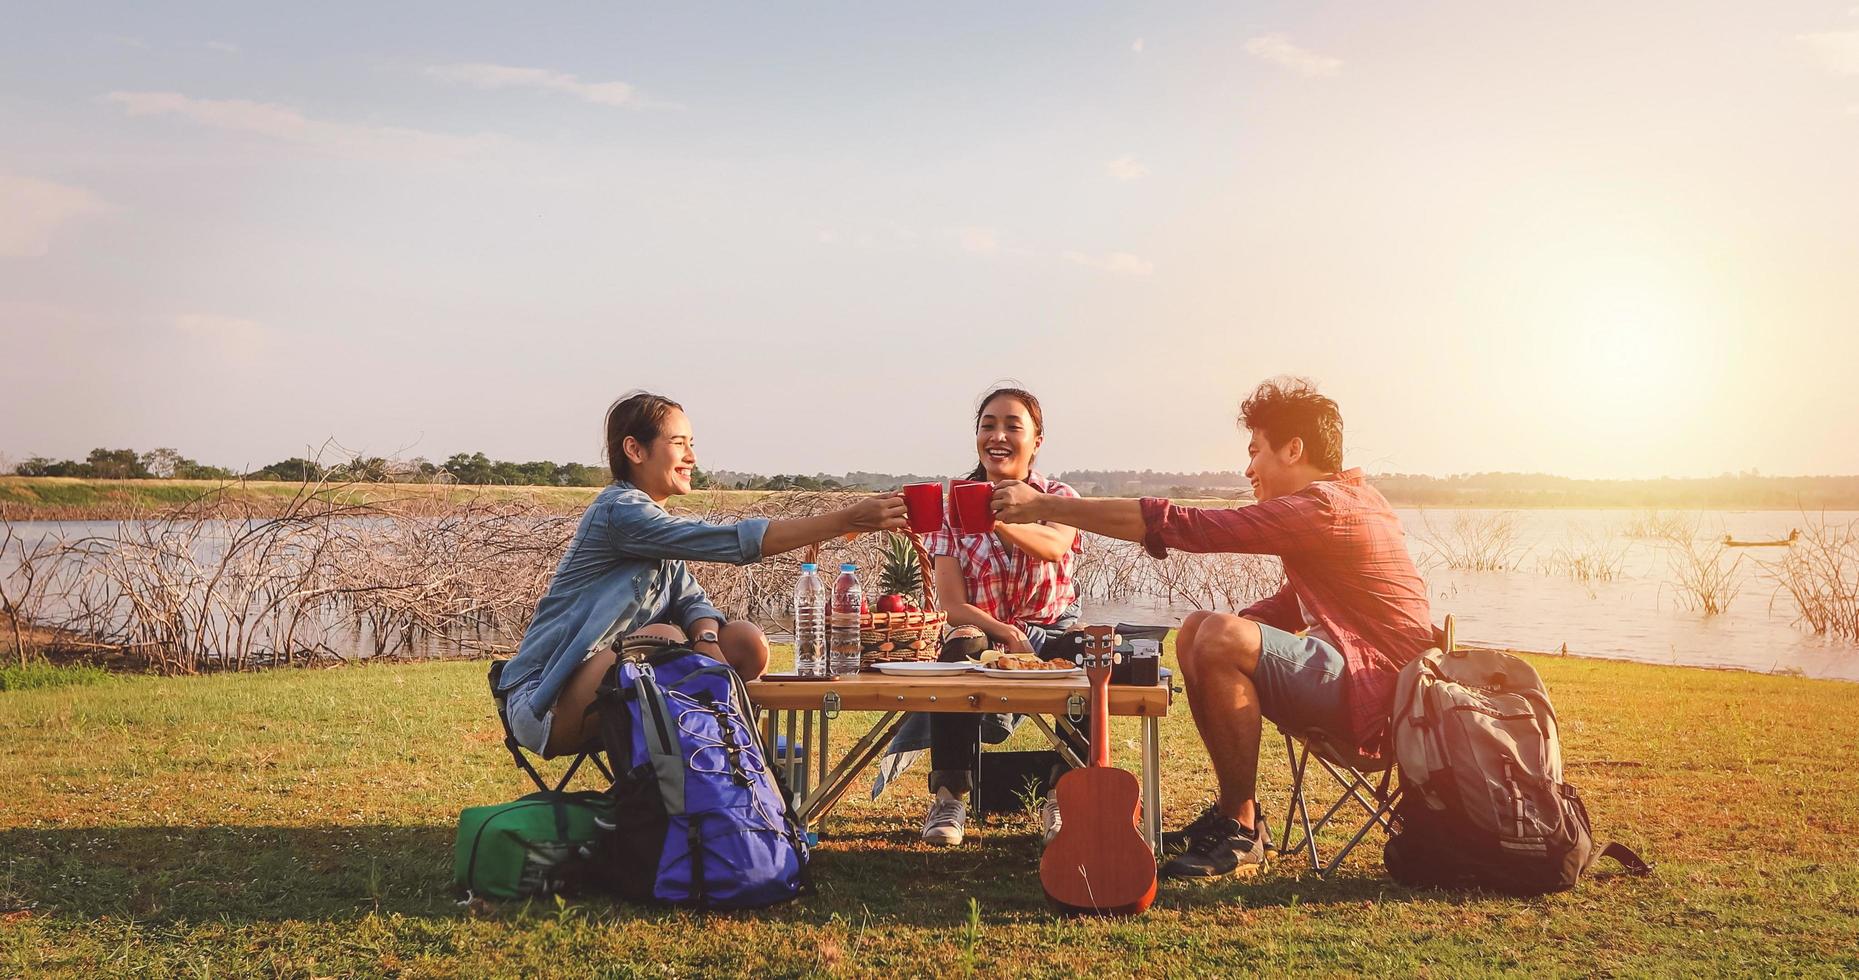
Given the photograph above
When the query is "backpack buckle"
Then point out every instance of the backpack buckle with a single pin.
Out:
(829, 704)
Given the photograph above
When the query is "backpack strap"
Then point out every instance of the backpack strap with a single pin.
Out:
(1625, 856)
(661, 741)
(695, 842)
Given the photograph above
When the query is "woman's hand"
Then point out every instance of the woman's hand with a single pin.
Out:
(878, 512)
(1015, 641)
(1016, 503)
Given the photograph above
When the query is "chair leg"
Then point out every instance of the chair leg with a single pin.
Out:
(1354, 784)
(1378, 816)
(1376, 802)
(574, 766)
(1297, 790)
(1299, 768)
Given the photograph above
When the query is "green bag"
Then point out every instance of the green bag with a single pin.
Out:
(531, 846)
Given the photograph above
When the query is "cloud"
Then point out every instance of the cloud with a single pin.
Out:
(981, 240)
(1137, 45)
(226, 336)
(281, 122)
(224, 47)
(505, 76)
(1278, 49)
(1125, 167)
(1838, 51)
(1121, 263)
(31, 210)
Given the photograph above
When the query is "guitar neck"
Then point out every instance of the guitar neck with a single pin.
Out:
(1100, 715)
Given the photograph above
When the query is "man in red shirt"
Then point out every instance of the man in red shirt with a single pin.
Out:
(1321, 654)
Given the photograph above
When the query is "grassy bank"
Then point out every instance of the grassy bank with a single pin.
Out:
(29, 498)
(299, 823)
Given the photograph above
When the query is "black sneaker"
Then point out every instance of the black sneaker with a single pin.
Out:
(1219, 847)
(1176, 841)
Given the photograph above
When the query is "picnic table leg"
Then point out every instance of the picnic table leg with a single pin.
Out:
(825, 751)
(839, 780)
(806, 752)
(787, 759)
(1152, 783)
(1059, 744)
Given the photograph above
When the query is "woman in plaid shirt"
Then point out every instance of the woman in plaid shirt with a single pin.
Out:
(1013, 584)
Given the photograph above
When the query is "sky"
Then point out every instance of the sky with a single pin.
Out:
(1591, 239)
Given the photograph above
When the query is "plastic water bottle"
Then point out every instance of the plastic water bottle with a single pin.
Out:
(844, 653)
(809, 623)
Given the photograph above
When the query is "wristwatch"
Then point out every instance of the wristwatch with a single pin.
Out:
(707, 636)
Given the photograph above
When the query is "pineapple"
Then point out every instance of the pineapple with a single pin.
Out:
(901, 576)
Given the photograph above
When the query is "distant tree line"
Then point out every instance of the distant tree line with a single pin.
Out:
(466, 468)
(125, 464)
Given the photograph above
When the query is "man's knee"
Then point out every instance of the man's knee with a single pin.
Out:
(1221, 642)
(1186, 645)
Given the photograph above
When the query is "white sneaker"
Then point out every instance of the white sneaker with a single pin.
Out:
(1049, 819)
(944, 822)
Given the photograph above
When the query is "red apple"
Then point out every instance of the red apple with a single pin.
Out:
(892, 603)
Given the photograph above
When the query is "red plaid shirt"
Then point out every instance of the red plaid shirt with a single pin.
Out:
(1346, 557)
(1005, 582)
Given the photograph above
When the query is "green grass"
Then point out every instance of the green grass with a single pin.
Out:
(38, 674)
(299, 823)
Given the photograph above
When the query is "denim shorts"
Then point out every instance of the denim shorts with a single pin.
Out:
(530, 729)
(1300, 683)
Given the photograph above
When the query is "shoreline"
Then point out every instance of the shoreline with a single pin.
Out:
(51, 498)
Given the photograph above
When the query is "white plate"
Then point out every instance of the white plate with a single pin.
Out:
(1032, 674)
(923, 668)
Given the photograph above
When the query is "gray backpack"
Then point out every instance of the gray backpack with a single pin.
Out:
(1483, 803)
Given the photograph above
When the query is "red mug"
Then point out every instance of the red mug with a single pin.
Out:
(923, 504)
(971, 506)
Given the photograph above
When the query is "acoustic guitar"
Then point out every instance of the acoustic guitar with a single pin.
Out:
(1099, 864)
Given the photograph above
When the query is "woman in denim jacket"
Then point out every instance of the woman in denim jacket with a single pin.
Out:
(624, 575)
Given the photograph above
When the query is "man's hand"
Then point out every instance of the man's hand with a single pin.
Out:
(878, 512)
(1016, 503)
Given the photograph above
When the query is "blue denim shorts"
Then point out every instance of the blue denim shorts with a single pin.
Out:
(1300, 683)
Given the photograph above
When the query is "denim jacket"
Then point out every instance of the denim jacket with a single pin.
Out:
(623, 570)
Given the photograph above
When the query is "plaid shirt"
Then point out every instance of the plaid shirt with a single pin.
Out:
(1345, 556)
(1005, 582)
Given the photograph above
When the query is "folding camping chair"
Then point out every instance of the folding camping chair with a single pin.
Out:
(1354, 773)
(589, 752)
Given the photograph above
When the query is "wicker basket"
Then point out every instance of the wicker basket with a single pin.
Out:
(901, 636)
(891, 637)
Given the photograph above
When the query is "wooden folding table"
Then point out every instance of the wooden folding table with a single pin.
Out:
(806, 709)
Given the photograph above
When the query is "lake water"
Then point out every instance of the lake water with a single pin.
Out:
(1636, 616)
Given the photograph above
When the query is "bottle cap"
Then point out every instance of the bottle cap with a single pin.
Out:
(807, 566)
(848, 567)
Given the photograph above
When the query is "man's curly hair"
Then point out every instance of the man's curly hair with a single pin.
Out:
(1284, 407)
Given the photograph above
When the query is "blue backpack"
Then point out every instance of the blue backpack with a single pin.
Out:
(698, 818)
